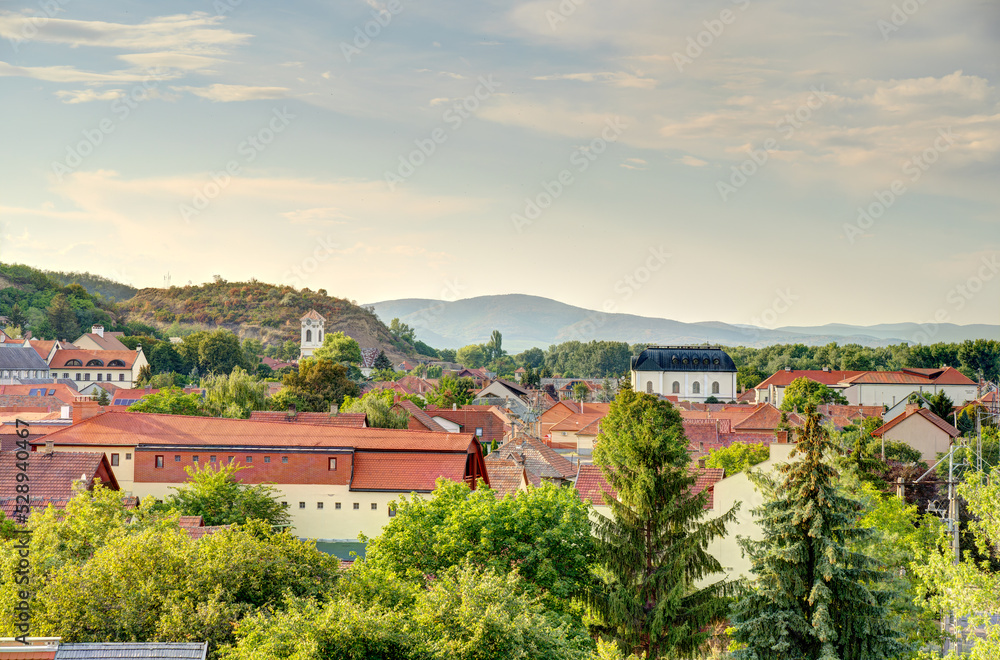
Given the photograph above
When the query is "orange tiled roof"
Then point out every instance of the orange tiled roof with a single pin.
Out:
(707, 478)
(51, 475)
(404, 471)
(351, 420)
(109, 342)
(591, 485)
(539, 460)
(131, 429)
(419, 420)
(946, 376)
(923, 412)
(314, 315)
(506, 477)
(63, 356)
(784, 378)
(472, 417)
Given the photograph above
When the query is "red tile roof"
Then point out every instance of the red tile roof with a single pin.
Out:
(591, 485)
(469, 418)
(61, 391)
(538, 459)
(784, 378)
(63, 356)
(923, 412)
(349, 420)
(109, 342)
(314, 315)
(765, 418)
(419, 420)
(579, 423)
(946, 376)
(506, 477)
(707, 478)
(405, 471)
(131, 429)
(52, 475)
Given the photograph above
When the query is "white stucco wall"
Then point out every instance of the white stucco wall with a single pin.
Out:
(889, 394)
(662, 382)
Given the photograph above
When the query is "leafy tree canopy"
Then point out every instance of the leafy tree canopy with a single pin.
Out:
(738, 457)
(215, 494)
(340, 348)
(803, 393)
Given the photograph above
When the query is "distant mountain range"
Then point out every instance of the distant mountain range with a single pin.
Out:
(527, 321)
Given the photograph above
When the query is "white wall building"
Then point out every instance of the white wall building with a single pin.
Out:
(691, 373)
(313, 325)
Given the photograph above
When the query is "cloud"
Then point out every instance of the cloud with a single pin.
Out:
(87, 95)
(688, 159)
(72, 74)
(616, 78)
(195, 33)
(634, 164)
(554, 117)
(229, 93)
(170, 60)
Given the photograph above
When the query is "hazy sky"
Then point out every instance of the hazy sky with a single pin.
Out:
(691, 160)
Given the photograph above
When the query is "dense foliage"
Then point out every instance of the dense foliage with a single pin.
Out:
(215, 494)
(738, 457)
(654, 548)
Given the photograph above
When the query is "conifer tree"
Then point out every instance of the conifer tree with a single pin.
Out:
(654, 548)
(382, 361)
(812, 596)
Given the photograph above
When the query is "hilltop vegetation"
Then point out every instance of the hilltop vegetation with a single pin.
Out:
(108, 289)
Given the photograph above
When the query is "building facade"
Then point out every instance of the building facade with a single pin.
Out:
(313, 325)
(691, 373)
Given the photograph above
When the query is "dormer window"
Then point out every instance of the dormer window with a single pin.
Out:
(116, 363)
(74, 363)
(95, 363)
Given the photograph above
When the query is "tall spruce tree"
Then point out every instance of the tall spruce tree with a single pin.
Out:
(63, 318)
(654, 548)
(812, 596)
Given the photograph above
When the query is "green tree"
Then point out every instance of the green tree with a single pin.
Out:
(471, 357)
(316, 385)
(654, 548)
(494, 347)
(543, 534)
(16, 317)
(400, 331)
(62, 318)
(102, 397)
(235, 395)
(164, 358)
(170, 401)
(580, 391)
(530, 378)
(813, 596)
(215, 494)
(738, 457)
(377, 406)
(942, 406)
(220, 352)
(533, 357)
(980, 355)
(451, 391)
(382, 362)
(447, 354)
(802, 393)
(340, 348)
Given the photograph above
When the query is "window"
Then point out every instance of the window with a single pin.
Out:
(302, 505)
(65, 375)
(86, 376)
(159, 461)
(211, 459)
(284, 459)
(392, 512)
(95, 363)
(267, 459)
(177, 458)
(284, 504)
(74, 363)
(108, 377)
(194, 459)
(332, 464)
(76, 376)
(319, 336)
(696, 387)
(676, 389)
(121, 376)
(715, 387)
(231, 459)
(116, 363)
(479, 431)
(114, 459)
(309, 335)
(374, 506)
(249, 459)
(128, 457)
(337, 505)
(100, 376)
(649, 387)
(356, 506)
(319, 505)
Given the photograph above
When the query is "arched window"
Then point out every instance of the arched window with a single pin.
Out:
(696, 388)
(715, 387)
(95, 363)
(309, 335)
(649, 387)
(74, 363)
(319, 336)
(116, 363)
(676, 389)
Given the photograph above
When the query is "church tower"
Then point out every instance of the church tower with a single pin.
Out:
(313, 325)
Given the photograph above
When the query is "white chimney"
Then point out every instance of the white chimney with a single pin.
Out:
(97, 330)
(454, 406)
(64, 412)
(50, 446)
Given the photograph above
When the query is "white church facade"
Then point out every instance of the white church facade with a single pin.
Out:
(313, 326)
(690, 373)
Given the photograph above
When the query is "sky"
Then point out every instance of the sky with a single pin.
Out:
(746, 161)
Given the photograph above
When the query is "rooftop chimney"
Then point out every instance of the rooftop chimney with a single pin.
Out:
(913, 407)
(334, 409)
(826, 369)
(84, 408)
(701, 462)
(454, 406)
(97, 330)
(50, 446)
(64, 412)
(781, 437)
(788, 368)
(291, 410)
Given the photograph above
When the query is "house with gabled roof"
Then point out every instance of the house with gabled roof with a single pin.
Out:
(54, 477)
(694, 373)
(921, 429)
(99, 340)
(541, 463)
(19, 362)
(337, 481)
(488, 423)
(507, 478)
(88, 366)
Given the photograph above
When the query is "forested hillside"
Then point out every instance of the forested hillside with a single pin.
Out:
(94, 284)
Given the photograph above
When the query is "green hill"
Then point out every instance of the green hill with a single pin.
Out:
(26, 294)
(95, 284)
(253, 309)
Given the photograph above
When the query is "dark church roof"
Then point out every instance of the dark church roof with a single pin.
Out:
(683, 358)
